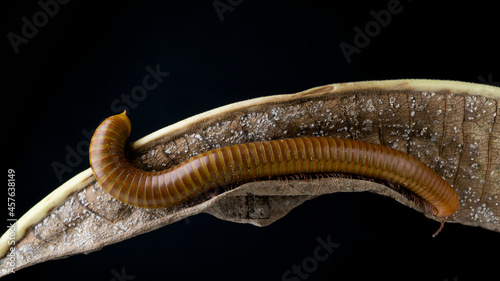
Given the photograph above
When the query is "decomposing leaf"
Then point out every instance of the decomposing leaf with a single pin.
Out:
(450, 126)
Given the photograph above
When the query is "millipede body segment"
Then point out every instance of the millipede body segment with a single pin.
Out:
(249, 161)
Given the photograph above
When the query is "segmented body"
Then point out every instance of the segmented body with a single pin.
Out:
(249, 161)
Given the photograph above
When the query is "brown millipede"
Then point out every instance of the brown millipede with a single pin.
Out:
(249, 161)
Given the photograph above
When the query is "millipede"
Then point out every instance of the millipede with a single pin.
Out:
(256, 160)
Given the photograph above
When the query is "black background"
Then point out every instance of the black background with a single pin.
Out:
(66, 77)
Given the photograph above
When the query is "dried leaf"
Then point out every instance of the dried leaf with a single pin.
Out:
(450, 126)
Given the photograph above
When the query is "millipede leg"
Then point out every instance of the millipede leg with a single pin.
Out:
(439, 229)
